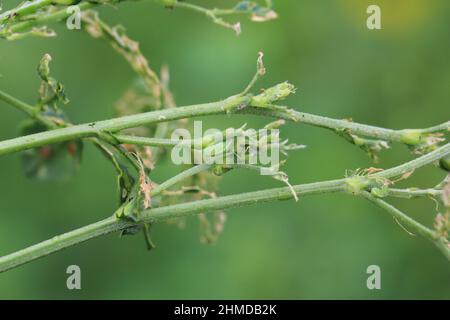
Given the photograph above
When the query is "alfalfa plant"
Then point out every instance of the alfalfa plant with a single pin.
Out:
(51, 145)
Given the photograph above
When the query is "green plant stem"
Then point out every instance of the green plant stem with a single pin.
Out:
(58, 15)
(398, 171)
(214, 108)
(412, 165)
(438, 128)
(24, 10)
(411, 224)
(113, 125)
(336, 124)
(179, 177)
(151, 142)
(411, 193)
(27, 109)
(35, 114)
(27, 25)
(213, 14)
(113, 224)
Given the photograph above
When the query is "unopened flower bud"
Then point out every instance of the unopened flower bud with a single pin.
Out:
(44, 66)
(276, 93)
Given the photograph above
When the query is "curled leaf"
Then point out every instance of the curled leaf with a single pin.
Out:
(51, 91)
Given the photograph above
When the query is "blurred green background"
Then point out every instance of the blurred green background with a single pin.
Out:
(397, 77)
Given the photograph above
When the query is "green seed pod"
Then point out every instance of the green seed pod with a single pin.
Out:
(444, 163)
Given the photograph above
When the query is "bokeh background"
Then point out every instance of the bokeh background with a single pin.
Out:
(320, 247)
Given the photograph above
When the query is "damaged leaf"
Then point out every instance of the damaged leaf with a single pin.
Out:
(54, 162)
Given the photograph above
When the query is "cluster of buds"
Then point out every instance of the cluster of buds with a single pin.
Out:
(230, 147)
(363, 180)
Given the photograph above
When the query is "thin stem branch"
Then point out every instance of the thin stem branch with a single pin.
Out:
(213, 14)
(113, 224)
(411, 193)
(441, 243)
(438, 128)
(336, 124)
(35, 114)
(150, 142)
(16, 103)
(24, 9)
(27, 109)
(214, 108)
(179, 177)
(26, 25)
(412, 165)
(14, 21)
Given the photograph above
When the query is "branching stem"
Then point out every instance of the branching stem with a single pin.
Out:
(114, 224)
(51, 17)
(94, 129)
(411, 224)
(25, 9)
(179, 177)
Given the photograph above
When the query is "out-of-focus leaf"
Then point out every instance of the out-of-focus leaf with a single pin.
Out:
(54, 162)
